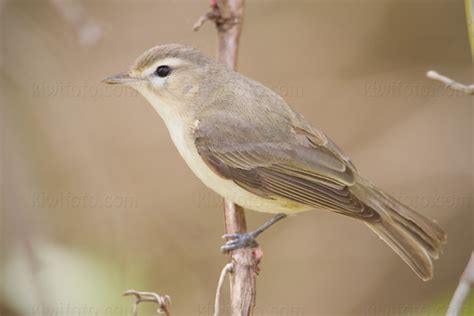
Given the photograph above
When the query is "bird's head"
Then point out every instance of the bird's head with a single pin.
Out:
(170, 75)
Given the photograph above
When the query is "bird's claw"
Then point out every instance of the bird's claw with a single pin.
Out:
(239, 241)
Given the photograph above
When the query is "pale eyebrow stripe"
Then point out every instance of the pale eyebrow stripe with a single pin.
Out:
(170, 61)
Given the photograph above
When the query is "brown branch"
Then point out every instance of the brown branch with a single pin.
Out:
(243, 279)
(228, 17)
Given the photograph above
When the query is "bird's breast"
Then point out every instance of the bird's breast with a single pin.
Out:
(181, 132)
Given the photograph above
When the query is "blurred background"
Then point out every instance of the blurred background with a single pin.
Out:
(96, 200)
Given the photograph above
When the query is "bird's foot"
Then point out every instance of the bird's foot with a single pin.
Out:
(239, 241)
(248, 239)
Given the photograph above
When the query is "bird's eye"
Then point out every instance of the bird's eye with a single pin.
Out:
(163, 71)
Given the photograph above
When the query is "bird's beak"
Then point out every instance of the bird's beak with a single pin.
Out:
(123, 78)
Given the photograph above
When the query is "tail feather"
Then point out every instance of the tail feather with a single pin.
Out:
(406, 247)
(415, 238)
(428, 229)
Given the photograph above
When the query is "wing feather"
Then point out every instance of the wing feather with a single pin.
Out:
(308, 173)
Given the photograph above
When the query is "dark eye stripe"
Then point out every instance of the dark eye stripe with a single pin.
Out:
(163, 71)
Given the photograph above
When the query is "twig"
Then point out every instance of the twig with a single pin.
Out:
(450, 83)
(470, 23)
(228, 18)
(162, 301)
(211, 15)
(462, 291)
(221, 14)
(217, 302)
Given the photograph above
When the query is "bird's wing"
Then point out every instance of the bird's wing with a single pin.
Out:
(296, 164)
(317, 138)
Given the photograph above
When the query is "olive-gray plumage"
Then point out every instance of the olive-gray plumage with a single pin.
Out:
(244, 142)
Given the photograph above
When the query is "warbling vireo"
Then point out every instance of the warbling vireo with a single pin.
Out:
(245, 143)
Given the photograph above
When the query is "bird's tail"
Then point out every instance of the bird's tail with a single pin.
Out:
(415, 238)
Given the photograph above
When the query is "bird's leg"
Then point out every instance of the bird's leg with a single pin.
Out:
(248, 239)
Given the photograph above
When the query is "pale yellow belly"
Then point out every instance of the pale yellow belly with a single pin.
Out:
(227, 188)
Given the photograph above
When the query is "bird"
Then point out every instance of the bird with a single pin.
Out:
(244, 142)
